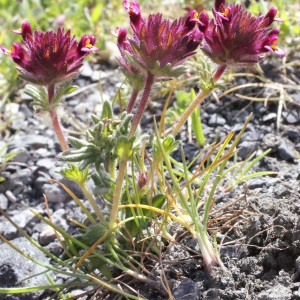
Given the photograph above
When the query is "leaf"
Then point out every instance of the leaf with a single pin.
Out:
(107, 112)
(158, 200)
(97, 12)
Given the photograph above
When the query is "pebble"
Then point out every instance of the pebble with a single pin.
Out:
(290, 117)
(187, 290)
(278, 292)
(24, 218)
(54, 193)
(216, 120)
(47, 235)
(8, 230)
(11, 197)
(22, 177)
(246, 149)
(297, 266)
(26, 110)
(29, 141)
(22, 157)
(271, 141)
(47, 163)
(87, 71)
(3, 202)
(59, 218)
(14, 268)
(269, 117)
(237, 127)
(256, 183)
(286, 151)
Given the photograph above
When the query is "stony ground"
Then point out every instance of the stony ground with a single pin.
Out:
(261, 249)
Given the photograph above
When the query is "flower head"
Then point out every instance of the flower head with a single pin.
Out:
(49, 58)
(134, 76)
(158, 46)
(235, 37)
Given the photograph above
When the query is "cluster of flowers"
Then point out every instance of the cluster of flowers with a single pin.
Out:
(157, 46)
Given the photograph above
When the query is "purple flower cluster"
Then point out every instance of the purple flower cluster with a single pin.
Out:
(157, 45)
(235, 37)
(232, 38)
(49, 58)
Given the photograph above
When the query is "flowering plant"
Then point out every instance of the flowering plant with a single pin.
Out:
(157, 49)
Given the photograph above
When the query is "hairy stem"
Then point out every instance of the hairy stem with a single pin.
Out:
(145, 97)
(117, 195)
(118, 191)
(201, 96)
(55, 121)
(132, 100)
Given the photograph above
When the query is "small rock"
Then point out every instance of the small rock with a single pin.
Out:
(211, 108)
(247, 148)
(18, 122)
(55, 248)
(96, 76)
(25, 110)
(286, 151)
(47, 235)
(11, 108)
(22, 157)
(23, 177)
(59, 219)
(24, 218)
(297, 265)
(14, 268)
(256, 183)
(8, 230)
(290, 117)
(237, 127)
(292, 132)
(54, 193)
(277, 292)
(48, 163)
(3, 202)
(216, 120)
(269, 117)
(11, 197)
(187, 290)
(31, 141)
(87, 71)
(270, 141)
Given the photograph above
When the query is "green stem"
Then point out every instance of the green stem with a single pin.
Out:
(145, 97)
(117, 195)
(132, 100)
(92, 202)
(220, 70)
(55, 121)
(118, 191)
(112, 169)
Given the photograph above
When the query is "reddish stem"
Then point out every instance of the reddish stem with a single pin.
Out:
(145, 97)
(55, 120)
(132, 100)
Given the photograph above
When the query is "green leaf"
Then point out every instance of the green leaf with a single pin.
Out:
(124, 148)
(158, 200)
(75, 174)
(97, 12)
(107, 112)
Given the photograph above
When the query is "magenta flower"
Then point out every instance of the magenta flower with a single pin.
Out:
(49, 58)
(235, 37)
(158, 46)
(133, 74)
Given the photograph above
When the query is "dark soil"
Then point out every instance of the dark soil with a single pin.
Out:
(260, 247)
